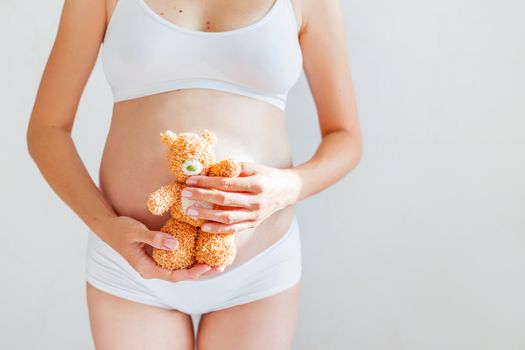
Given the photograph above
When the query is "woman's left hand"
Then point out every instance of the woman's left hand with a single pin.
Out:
(244, 201)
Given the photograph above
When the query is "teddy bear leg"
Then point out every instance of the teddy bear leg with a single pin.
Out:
(182, 257)
(214, 249)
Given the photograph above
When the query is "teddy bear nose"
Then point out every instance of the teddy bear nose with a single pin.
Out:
(191, 167)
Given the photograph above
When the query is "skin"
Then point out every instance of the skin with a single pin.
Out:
(271, 184)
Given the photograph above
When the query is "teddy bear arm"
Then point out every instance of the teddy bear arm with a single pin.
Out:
(225, 168)
(162, 199)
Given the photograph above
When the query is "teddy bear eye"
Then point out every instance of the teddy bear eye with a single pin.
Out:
(191, 167)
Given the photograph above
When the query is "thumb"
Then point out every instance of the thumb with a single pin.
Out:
(159, 240)
(248, 168)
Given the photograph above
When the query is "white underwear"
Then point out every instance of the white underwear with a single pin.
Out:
(273, 270)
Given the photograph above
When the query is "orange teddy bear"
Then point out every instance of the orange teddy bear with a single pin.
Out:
(191, 154)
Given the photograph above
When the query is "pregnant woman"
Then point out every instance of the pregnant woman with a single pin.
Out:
(191, 65)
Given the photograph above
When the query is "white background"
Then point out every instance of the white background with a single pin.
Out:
(420, 247)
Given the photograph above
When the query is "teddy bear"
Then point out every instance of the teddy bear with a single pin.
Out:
(191, 154)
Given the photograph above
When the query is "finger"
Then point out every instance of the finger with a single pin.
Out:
(232, 199)
(214, 227)
(191, 273)
(249, 168)
(222, 216)
(147, 268)
(238, 184)
(158, 239)
(214, 271)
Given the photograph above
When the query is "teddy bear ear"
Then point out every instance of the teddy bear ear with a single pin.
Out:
(209, 136)
(168, 137)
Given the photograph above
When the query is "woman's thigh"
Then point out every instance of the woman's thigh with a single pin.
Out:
(267, 323)
(118, 323)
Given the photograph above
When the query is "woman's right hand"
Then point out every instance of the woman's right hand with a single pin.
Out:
(130, 237)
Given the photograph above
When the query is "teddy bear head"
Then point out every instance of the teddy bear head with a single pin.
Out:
(189, 153)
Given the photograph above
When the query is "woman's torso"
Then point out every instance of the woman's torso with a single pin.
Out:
(134, 161)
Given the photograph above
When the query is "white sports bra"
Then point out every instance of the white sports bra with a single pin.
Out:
(144, 54)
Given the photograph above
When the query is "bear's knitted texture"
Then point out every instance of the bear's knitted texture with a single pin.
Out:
(191, 154)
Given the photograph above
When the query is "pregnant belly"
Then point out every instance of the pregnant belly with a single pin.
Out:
(134, 161)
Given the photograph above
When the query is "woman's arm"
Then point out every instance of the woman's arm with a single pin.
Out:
(326, 68)
(74, 53)
(268, 189)
(70, 63)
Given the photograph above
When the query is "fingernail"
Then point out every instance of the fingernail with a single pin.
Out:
(185, 193)
(192, 212)
(171, 243)
(206, 227)
(191, 181)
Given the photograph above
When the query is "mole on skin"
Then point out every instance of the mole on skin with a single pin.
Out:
(162, 14)
(207, 22)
